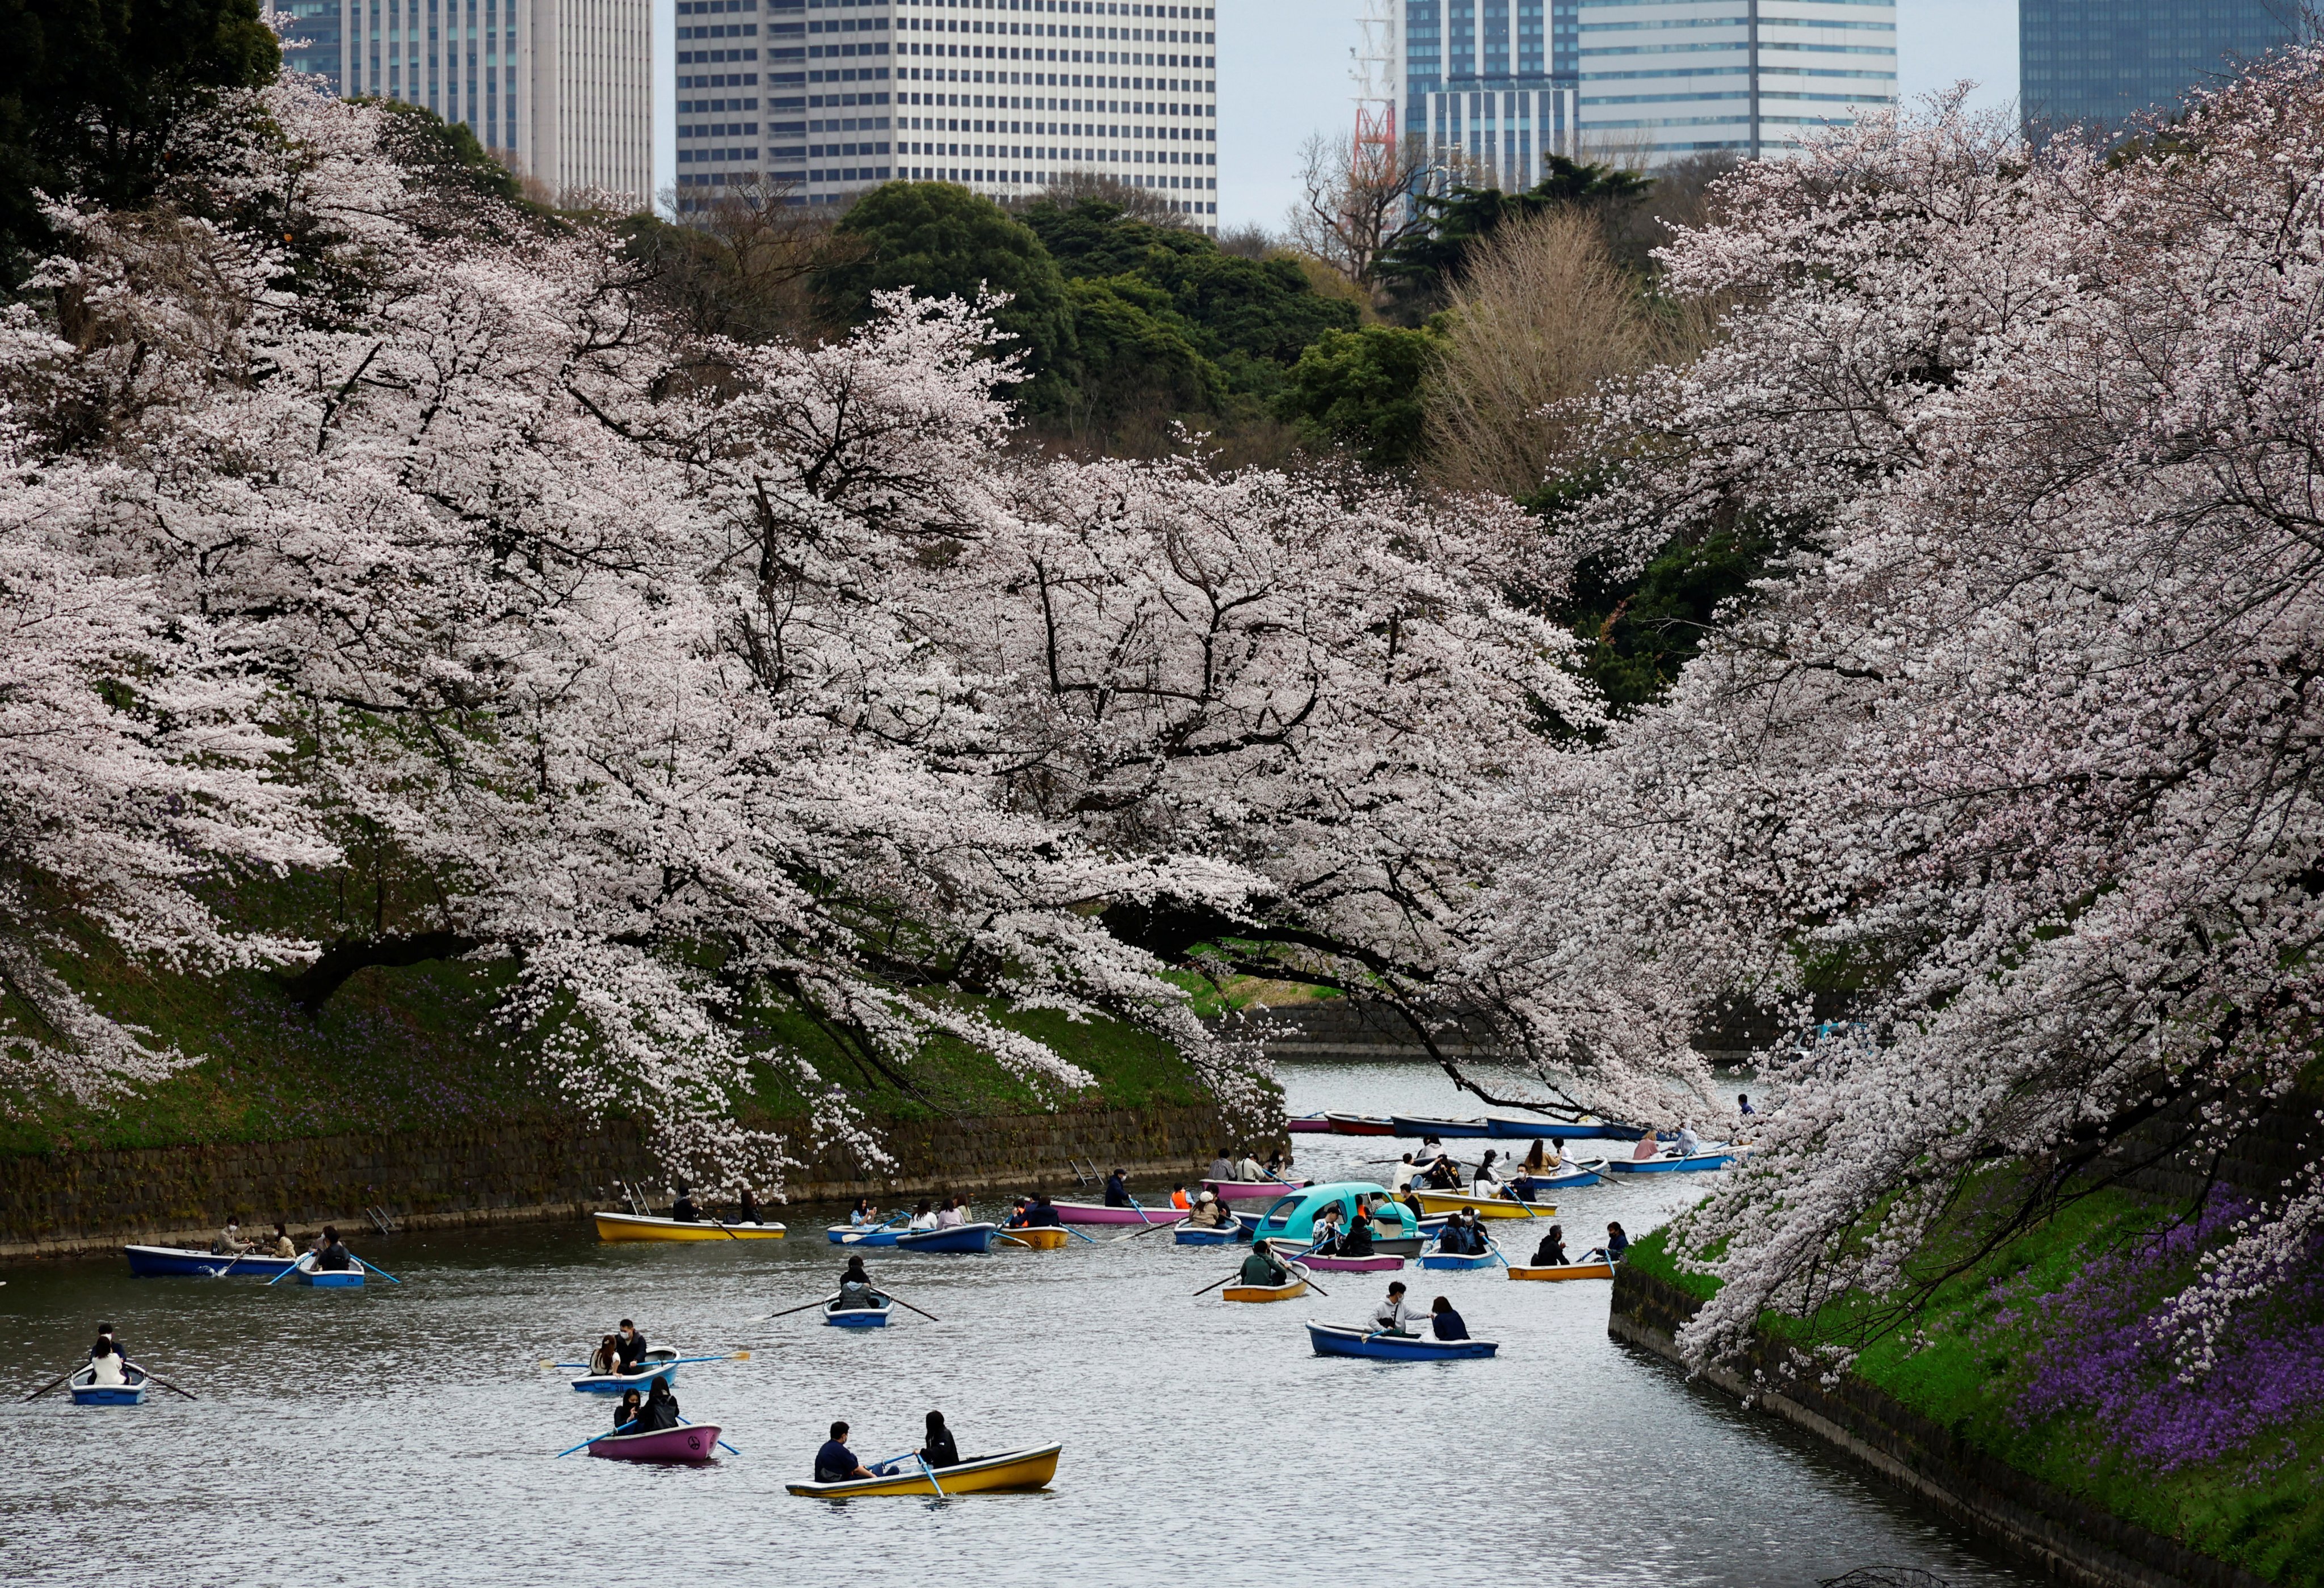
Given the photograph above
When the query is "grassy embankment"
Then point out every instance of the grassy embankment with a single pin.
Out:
(418, 1049)
(1968, 1361)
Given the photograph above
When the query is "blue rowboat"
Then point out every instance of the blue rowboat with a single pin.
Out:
(1407, 1124)
(330, 1279)
(88, 1391)
(1224, 1235)
(1458, 1261)
(841, 1234)
(1717, 1158)
(181, 1262)
(959, 1238)
(1334, 1340)
(856, 1317)
(654, 1363)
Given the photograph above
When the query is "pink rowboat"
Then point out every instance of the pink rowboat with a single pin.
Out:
(694, 1442)
(1098, 1213)
(1383, 1264)
(1310, 1124)
(1252, 1190)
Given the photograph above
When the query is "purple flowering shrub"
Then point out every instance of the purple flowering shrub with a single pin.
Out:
(2097, 1347)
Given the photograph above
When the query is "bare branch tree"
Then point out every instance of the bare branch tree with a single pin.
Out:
(1351, 210)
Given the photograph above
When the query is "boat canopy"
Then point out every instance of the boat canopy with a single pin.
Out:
(1293, 1217)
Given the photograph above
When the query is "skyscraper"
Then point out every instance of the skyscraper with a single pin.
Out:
(561, 89)
(1663, 79)
(1000, 95)
(2096, 63)
(1491, 81)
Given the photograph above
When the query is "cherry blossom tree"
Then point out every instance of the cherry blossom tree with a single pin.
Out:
(2005, 787)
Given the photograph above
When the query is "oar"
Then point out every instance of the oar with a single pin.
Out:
(1014, 1240)
(1069, 1229)
(592, 1438)
(907, 1307)
(1151, 1228)
(51, 1384)
(787, 1311)
(853, 1236)
(296, 1265)
(683, 1361)
(931, 1472)
(155, 1378)
(219, 1273)
(374, 1268)
(689, 1421)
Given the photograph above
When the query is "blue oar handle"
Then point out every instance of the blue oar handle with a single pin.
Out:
(689, 1423)
(374, 1268)
(592, 1438)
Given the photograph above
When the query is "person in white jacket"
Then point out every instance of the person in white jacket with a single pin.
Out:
(1396, 1315)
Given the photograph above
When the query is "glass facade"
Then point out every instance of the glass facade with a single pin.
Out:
(1490, 84)
(2096, 63)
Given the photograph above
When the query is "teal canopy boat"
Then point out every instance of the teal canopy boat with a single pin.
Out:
(1293, 1217)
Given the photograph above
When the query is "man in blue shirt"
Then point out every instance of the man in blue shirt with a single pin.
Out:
(1116, 1190)
(835, 1462)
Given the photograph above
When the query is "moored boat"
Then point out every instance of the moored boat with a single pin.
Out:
(1337, 1340)
(958, 1237)
(1306, 1125)
(1710, 1158)
(181, 1262)
(1546, 1130)
(1485, 1207)
(1011, 1472)
(641, 1226)
(1225, 1234)
(1379, 1262)
(1040, 1238)
(857, 1317)
(1360, 1124)
(130, 1391)
(1566, 1270)
(1249, 1191)
(691, 1442)
(1407, 1125)
(1294, 1286)
(1099, 1213)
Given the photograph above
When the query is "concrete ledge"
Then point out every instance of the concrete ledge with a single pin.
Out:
(2057, 1534)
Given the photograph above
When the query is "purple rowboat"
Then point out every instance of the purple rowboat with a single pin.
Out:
(1307, 1124)
(1098, 1213)
(1383, 1264)
(694, 1442)
(1250, 1190)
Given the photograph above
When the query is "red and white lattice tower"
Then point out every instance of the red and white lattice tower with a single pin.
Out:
(1379, 74)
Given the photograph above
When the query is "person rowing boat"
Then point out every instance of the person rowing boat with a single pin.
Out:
(628, 1348)
(1261, 1269)
(331, 1254)
(836, 1463)
(682, 1210)
(855, 1291)
(1117, 1189)
(1392, 1316)
(1043, 1214)
(1551, 1253)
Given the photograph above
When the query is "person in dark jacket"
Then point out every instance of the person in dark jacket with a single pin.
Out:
(627, 1412)
(1551, 1253)
(630, 1349)
(660, 1409)
(748, 1211)
(1043, 1214)
(1446, 1321)
(940, 1450)
(1116, 1190)
(1356, 1240)
(683, 1210)
(855, 1291)
(109, 1343)
(331, 1254)
(836, 1463)
(1261, 1269)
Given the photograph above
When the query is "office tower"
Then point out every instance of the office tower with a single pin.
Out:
(561, 89)
(2096, 63)
(1491, 82)
(1004, 96)
(1663, 79)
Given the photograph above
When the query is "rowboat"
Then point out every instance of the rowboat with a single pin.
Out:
(1407, 1124)
(1485, 1207)
(176, 1261)
(1458, 1262)
(1571, 1176)
(1249, 1191)
(1713, 1158)
(1544, 1129)
(131, 1392)
(857, 1317)
(1098, 1213)
(350, 1278)
(958, 1237)
(1295, 1286)
(1225, 1234)
(1014, 1472)
(1568, 1270)
(1041, 1238)
(655, 1364)
(641, 1226)
(693, 1442)
(1306, 1125)
(860, 1234)
(1380, 1262)
(1335, 1340)
(1360, 1124)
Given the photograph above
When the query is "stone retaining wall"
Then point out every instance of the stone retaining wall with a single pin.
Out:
(60, 1203)
(2057, 1534)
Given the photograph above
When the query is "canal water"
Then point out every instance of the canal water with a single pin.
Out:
(405, 1436)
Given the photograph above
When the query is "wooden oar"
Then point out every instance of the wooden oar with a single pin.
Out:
(51, 1384)
(907, 1307)
(592, 1438)
(1151, 1228)
(787, 1311)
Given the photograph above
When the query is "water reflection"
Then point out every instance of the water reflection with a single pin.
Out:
(403, 1437)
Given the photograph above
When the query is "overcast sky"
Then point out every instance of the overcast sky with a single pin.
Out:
(1283, 74)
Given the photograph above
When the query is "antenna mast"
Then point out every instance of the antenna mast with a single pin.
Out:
(1380, 83)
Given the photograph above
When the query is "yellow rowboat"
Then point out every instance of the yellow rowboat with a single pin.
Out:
(1017, 1472)
(636, 1227)
(1571, 1270)
(1040, 1240)
(1297, 1285)
(1485, 1207)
